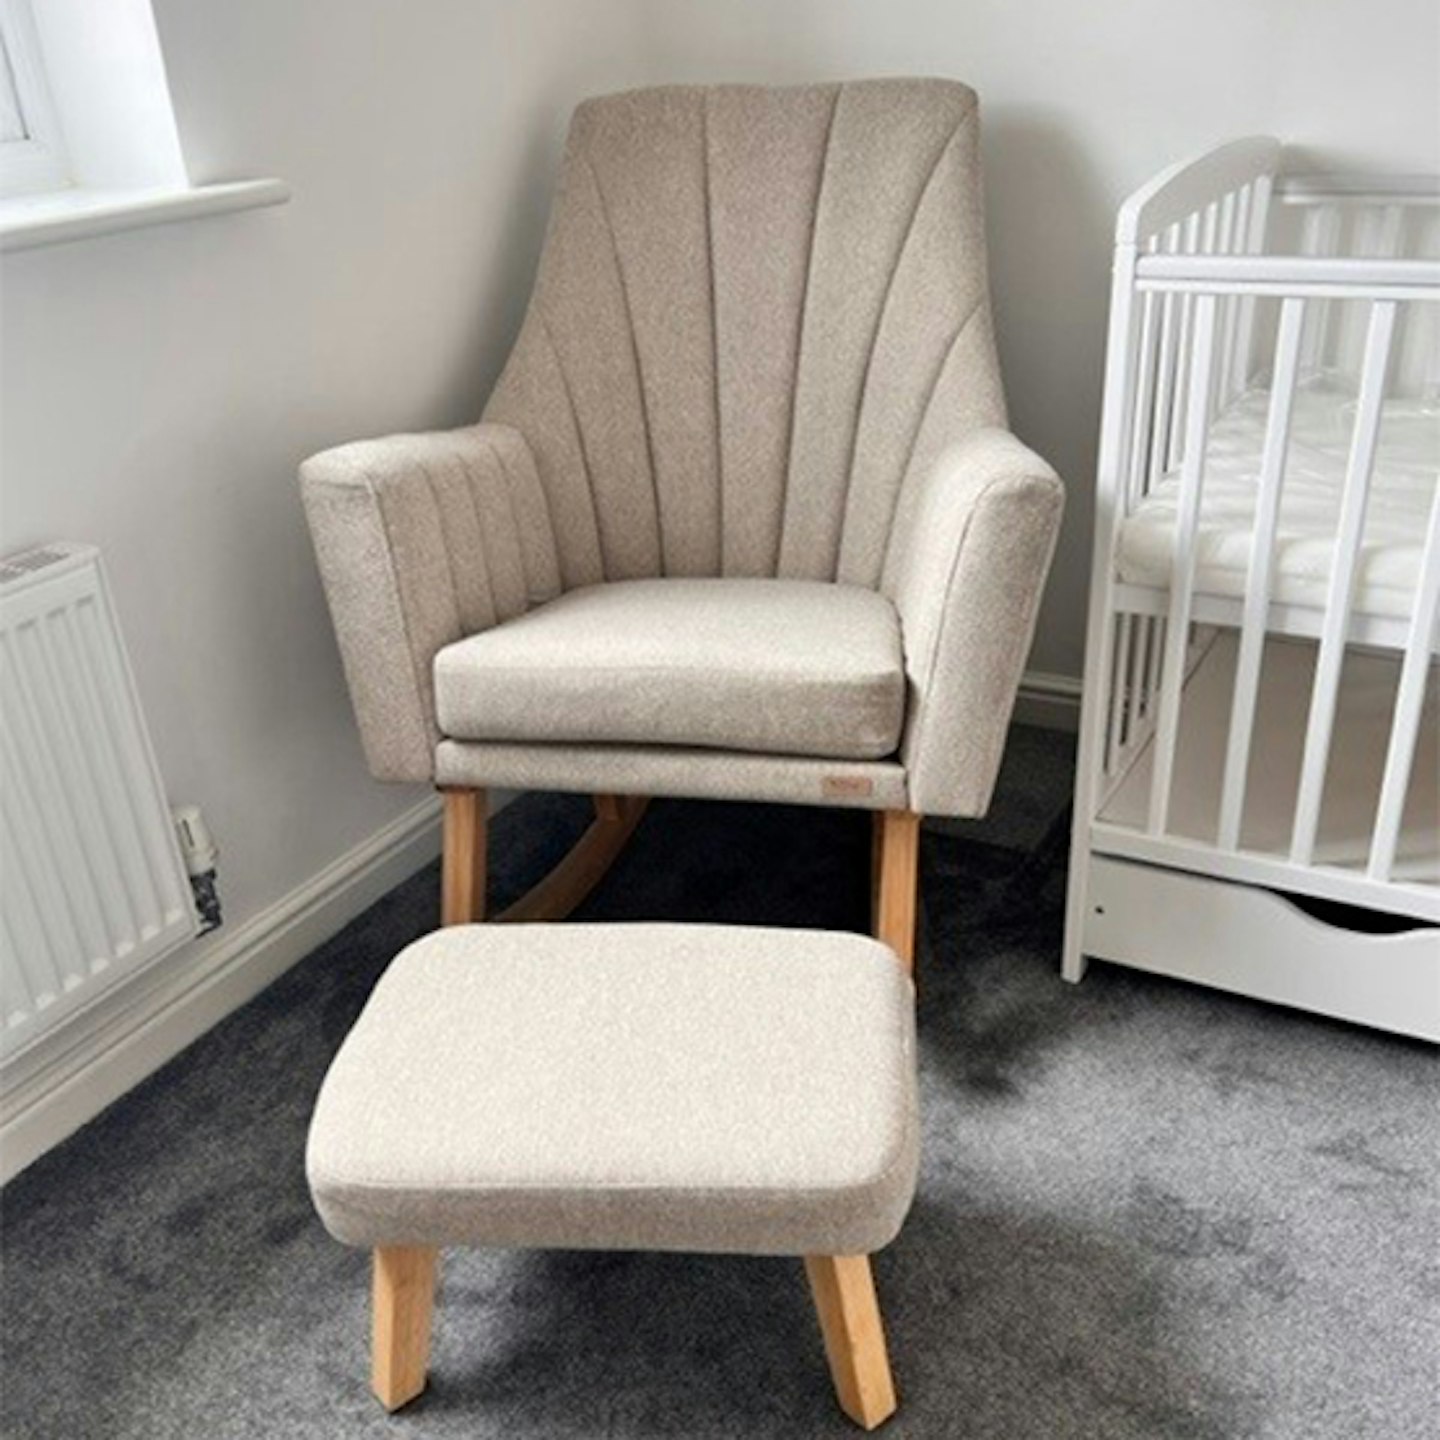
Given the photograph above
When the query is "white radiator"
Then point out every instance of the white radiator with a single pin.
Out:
(92, 886)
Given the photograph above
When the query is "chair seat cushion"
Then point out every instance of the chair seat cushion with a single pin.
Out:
(655, 1087)
(775, 666)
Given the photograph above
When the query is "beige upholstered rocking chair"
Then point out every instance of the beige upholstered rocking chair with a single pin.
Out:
(742, 519)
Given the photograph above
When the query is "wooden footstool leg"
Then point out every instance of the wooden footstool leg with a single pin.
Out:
(403, 1297)
(844, 1291)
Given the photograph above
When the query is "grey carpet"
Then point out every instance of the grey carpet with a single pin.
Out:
(1146, 1210)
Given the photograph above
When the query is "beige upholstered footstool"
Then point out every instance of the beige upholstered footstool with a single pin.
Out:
(626, 1087)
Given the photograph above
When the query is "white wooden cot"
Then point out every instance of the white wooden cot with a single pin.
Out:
(1258, 791)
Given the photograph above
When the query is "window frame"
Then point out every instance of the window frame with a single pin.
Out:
(38, 164)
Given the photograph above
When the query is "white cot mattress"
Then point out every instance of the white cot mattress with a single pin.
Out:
(1402, 490)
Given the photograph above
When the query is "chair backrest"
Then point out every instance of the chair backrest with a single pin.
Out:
(759, 313)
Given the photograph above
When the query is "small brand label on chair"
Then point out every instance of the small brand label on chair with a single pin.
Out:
(840, 787)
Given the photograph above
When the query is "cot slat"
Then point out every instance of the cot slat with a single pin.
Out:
(1254, 244)
(1322, 238)
(1189, 245)
(1257, 583)
(1229, 230)
(1392, 230)
(1164, 381)
(1142, 423)
(1166, 361)
(1182, 575)
(1153, 661)
(1237, 345)
(1326, 688)
(1139, 639)
(1117, 692)
(1409, 701)
(1139, 671)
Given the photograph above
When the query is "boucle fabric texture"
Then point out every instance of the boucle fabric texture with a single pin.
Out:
(648, 1087)
(422, 539)
(1146, 1210)
(968, 589)
(791, 667)
(675, 770)
(759, 347)
(758, 315)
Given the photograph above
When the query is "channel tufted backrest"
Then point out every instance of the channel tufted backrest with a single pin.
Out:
(759, 314)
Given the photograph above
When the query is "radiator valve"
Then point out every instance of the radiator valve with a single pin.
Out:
(200, 855)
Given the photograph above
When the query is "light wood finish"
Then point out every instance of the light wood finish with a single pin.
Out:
(877, 849)
(463, 867)
(403, 1298)
(849, 1314)
(896, 881)
(613, 808)
(559, 892)
(585, 864)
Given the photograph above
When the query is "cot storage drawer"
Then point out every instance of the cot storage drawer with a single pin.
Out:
(1257, 943)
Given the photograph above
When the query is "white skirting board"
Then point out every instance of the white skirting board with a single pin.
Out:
(56, 1086)
(53, 1089)
(1253, 942)
(1051, 702)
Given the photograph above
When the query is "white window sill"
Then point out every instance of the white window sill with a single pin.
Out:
(30, 220)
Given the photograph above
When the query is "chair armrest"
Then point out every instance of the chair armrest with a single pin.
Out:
(421, 540)
(967, 571)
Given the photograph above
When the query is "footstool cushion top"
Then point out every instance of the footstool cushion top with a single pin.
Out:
(648, 1087)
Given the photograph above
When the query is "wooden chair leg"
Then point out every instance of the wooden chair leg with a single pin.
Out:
(463, 868)
(844, 1291)
(896, 881)
(403, 1298)
(463, 863)
(877, 851)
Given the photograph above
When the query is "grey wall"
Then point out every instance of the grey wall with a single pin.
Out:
(158, 388)
(1081, 103)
